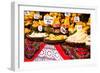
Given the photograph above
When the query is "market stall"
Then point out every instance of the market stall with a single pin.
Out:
(56, 36)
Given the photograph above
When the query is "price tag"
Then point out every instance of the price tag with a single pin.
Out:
(36, 16)
(48, 20)
(40, 28)
(78, 27)
(76, 19)
(63, 30)
(67, 14)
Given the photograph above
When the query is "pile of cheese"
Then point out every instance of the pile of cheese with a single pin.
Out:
(79, 37)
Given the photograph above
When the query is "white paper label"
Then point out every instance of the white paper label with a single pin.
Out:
(67, 14)
(48, 20)
(63, 30)
(36, 16)
(39, 28)
(76, 19)
(79, 27)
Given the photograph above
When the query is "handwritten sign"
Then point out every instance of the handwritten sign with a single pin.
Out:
(48, 20)
(36, 16)
(40, 28)
(63, 30)
(67, 14)
(76, 19)
(78, 27)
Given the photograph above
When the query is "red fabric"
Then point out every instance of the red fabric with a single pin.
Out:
(36, 54)
(58, 48)
(82, 53)
(61, 52)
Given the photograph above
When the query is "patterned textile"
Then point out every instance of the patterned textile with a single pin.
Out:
(49, 53)
(40, 51)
